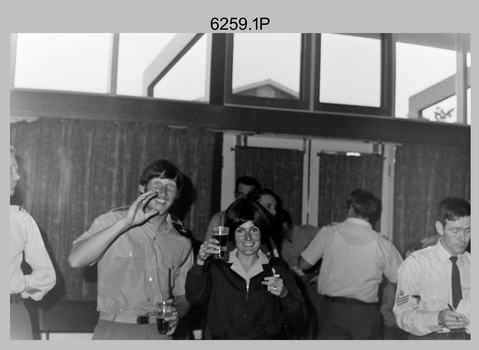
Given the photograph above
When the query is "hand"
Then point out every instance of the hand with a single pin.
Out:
(275, 285)
(173, 319)
(452, 319)
(209, 247)
(136, 214)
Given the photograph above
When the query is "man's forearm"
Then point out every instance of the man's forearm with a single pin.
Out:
(89, 250)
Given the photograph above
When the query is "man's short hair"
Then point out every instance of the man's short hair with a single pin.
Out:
(163, 169)
(452, 208)
(249, 181)
(365, 204)
(256, 195)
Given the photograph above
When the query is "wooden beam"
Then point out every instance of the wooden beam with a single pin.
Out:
(46, 104)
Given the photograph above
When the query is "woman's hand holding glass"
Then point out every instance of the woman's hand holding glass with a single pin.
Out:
(209, 247)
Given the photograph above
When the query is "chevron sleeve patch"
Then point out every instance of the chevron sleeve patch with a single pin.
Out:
(402, 298)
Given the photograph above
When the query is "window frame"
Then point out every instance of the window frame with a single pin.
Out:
(386, 80)
(302, 103)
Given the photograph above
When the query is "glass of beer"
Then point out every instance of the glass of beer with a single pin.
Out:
(221, 234)
(164, 310)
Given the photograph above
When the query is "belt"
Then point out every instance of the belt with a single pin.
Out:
(144, 319)
(16, 298)
(343, 300)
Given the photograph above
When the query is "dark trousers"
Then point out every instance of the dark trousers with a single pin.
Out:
(455, 334)
(342, 321)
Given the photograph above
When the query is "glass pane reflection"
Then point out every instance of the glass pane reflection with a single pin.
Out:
(267, 65)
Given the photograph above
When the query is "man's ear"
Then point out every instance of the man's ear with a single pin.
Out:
(439, 228)
(141, 188)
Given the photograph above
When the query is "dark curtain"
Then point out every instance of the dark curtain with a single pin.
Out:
(74, 170)
(426, 174)
(338, 176)
(280, 170)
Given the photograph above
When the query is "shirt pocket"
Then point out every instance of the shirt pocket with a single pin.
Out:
(436, 297)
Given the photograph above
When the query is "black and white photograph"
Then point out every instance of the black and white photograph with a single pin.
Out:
(242, 181)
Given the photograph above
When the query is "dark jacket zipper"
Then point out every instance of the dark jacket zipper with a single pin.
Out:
(246, 309)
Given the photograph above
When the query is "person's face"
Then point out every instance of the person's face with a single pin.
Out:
(455, 235)
(167, 194)
(248, 238)
(243, 190)
(269, 203)
(14, 177)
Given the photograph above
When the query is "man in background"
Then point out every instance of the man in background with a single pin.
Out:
(355, 258)
(433, 297)
(26, 244)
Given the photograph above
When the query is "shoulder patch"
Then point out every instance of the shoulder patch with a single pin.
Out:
(402, 298)
(182, 230)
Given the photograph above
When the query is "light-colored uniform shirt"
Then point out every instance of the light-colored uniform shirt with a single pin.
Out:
(424, 288)
(355, 257)
(25, 238)
(140, 267)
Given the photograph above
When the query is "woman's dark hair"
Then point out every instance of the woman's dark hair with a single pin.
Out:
(244, 210)
(163, 169)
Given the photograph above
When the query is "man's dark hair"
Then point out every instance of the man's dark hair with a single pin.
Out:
(365, 204)
(256, 195)
(244, 210)
(249, 181)
(452, 209)
(163, 169)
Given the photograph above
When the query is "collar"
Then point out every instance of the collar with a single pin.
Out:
(169, 225)
(443, 254)
(256, 269)
(360, 222)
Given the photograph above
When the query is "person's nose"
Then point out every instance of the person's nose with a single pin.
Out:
(15, 175)
(162, 190)
(248, 235)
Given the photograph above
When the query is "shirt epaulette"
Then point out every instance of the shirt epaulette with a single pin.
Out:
(22, 209)
(182, 230)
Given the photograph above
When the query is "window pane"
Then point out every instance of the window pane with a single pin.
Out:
(421, 73)
(63, 61)
(267, 65)
(350, 72)
(136, 52)
(187, 79)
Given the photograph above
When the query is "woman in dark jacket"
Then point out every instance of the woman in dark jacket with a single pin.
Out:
(248, 296)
